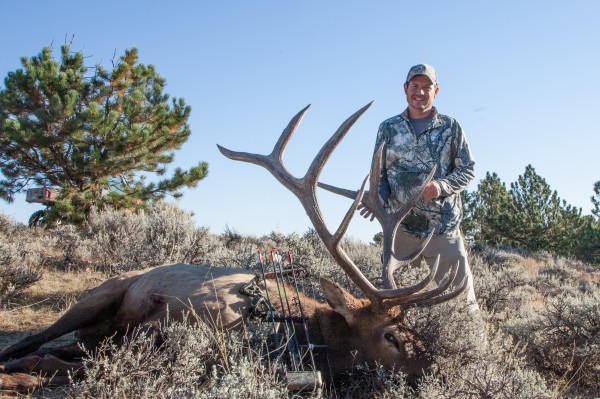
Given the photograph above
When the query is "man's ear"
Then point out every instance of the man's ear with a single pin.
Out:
(340, 300)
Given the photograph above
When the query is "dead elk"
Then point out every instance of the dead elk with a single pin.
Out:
(355, 330)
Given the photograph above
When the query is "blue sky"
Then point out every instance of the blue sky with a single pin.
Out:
(521, 77)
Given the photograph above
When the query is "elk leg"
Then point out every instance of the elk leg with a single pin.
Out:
(99, 304)
(68, 352)
(20, 383)
(26, 374)
(47, 365)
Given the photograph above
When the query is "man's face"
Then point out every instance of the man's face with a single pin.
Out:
(420, 93)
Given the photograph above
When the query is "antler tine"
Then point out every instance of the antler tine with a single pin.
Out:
(390, 226)
(318, 163)
(337, 237)
(394, 263)
(340, 191)
(445, 297)
(432, 294)
(371, 197)
(274, 161)
(286, 136)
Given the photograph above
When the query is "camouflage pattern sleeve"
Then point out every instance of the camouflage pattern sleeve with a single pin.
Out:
(463, 169)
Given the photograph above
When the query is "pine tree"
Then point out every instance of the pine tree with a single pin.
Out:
(486, 212)
(588, 241)
(589, 238)
(534, 210)
(530, 215)
(540, 219)
(596, 200)
(91, 132)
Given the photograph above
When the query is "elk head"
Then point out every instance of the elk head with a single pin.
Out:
(382, 308)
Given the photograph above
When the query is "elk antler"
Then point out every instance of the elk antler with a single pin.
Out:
(305, 190)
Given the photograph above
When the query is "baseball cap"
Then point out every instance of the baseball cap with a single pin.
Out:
(422, 69)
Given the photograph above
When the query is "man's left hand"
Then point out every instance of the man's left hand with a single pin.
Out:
(432, 191)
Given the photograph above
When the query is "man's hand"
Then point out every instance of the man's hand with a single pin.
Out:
(366, 212)
(432, 191)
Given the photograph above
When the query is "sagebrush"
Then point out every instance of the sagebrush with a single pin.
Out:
(537, 334)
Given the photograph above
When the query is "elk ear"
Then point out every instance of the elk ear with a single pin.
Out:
(340, 300)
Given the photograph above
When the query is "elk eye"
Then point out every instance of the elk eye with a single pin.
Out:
(391, 338)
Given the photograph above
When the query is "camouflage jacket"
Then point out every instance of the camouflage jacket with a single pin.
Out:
(407, 160)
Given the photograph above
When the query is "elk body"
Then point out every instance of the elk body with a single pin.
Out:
(352, 332)
(355, 330)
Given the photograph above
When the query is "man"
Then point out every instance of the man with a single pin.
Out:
(415, 141)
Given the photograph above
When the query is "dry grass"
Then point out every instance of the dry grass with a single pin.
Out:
(45, 301)
(533, 266)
